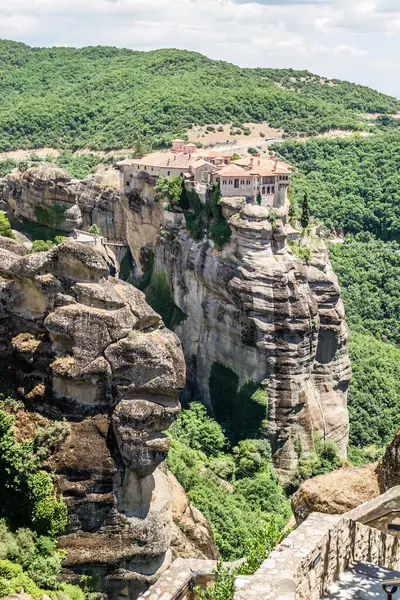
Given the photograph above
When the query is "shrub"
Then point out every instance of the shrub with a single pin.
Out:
(94, 230)
(26, 494)
(5, 227)
(198, 430)
(323, 458)
(220, 232)
(252, 456)
(42, 245)
(169, 188)
(49, 437)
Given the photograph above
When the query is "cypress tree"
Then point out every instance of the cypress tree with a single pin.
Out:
(305, 212)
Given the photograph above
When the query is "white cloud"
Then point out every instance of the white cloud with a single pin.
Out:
(346, 50)
(347, 39)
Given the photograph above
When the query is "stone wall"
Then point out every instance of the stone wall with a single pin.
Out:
(180, 580)
(307, 562)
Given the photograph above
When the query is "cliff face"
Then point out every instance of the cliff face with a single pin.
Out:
(258, 310)
(48, 195)
(254, 308)
(86, 347)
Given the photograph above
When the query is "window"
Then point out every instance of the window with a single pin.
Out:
(273, 190)
(263, 191)
(138, 167)
(230, 182)
(236, 183)
(268, 190)
(248, 182)
(169, 173)
(145, 168)
(128, 183)
(152, 169)
(131, 176)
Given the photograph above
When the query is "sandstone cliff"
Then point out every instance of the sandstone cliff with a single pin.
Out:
(48, 195)
(258, 310)
(254, 308)
(86, 347)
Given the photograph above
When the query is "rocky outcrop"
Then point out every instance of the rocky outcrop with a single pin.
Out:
(48, 195)
(258, 310)
(191, 534)
(336, 493)
(86, 347)
(389, 467)
(345, 489)
(254, 308)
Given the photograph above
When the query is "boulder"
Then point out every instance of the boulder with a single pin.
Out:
(336, 493)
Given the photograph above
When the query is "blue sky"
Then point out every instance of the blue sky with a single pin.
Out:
(358, 40)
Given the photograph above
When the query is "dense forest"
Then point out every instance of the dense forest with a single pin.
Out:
(106, 98)
(353, 185)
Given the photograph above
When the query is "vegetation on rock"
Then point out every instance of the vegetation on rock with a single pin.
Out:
(5, 227)
(160, 298)
(31, 515)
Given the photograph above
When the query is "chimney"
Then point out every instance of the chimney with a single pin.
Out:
(251, 161)
(275, 164)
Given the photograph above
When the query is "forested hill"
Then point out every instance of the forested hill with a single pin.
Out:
(107, 98)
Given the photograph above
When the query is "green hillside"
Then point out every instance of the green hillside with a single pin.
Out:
(106, 98)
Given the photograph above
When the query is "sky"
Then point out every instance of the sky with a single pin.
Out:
(357, 40)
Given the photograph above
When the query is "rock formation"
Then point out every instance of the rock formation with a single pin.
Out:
(254, 308)
(335, 493)
(260, 311)
(86, 347)
(48, 195)
(389, 467)
(345, 489)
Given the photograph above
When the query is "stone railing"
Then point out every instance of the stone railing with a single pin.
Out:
(180, 580)
(305, 564)
(312, 557)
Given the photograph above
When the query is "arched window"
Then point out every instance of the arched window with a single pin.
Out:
(263, 191)
(169, 173)
(248, 182)
(236, 183)
(230, 182)
(268, 190)
(273, 190)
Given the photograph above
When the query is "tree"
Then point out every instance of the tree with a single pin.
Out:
(5, 227)
(170, 188)
(140, 149)
(259, 199)
(305, 212)
(94, 230)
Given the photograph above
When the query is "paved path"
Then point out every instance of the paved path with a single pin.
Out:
(362, 582)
